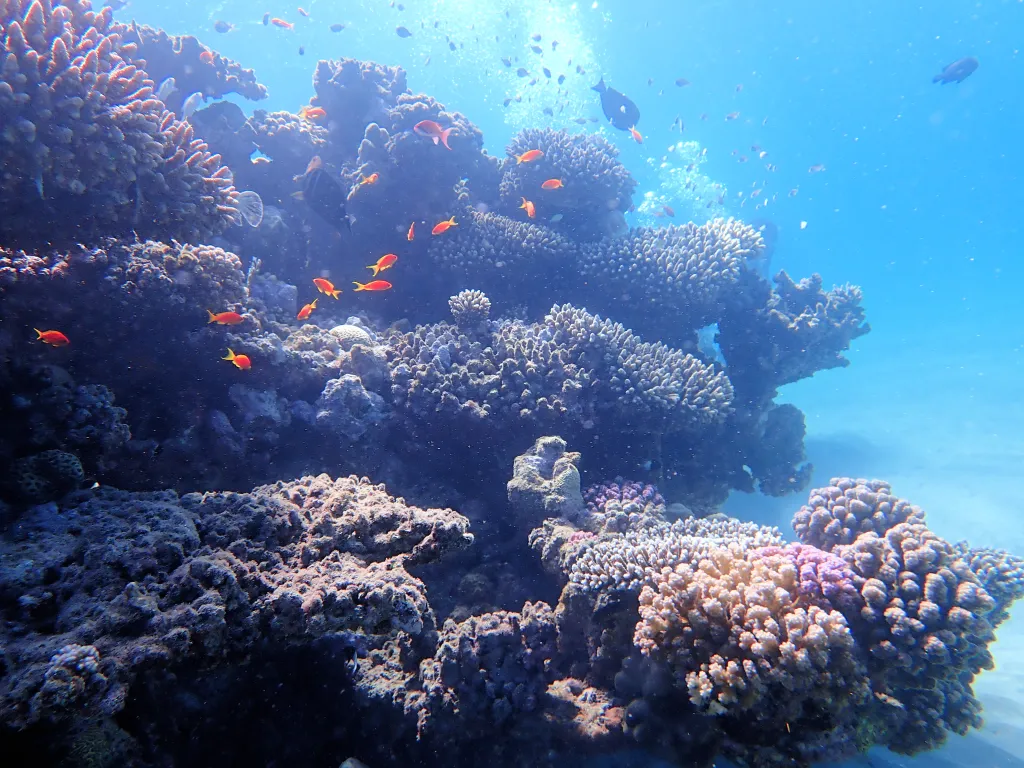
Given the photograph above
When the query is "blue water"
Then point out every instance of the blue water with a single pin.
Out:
(918, 204)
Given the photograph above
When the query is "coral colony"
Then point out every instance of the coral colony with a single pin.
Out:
(548, 619)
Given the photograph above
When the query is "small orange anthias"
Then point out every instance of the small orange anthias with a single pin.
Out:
(371, 179)
(530, 208)
(376, 285)
(552, 184)
(636, 134)
(326, 286)
(241, 362)
(432, 131)
(206, 57)
(307, 310)
(308, 112)
(411, 233)
(225, 318)
(53, 338)
(529, 157)
(387, 261)
(281, 23)
(444, 226)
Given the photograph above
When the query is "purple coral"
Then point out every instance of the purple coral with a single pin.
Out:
(825, 579)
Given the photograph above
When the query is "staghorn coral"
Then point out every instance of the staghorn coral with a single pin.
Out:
(846, 508)
(801, 329)
(686, 274)
(87, 150)
(178, 56)
(597, 190)
(111, 583)
(574, 369)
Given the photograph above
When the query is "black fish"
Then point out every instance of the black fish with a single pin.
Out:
(506, 61)
(402, 32)
(325, 196)
(561, 79)
(620, 110)
(958, 71)
(522, 72)
(337, 27)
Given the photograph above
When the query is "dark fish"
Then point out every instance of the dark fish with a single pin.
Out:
(507, 102)
(561, 79)
(506, 61)
(400, 7)
(549, 111)
(554, 44)
(302, 50)
(402, 32)
(682, 81)
(580, 121)
(650, 81)
(222, 27)
(593, 119)
(958, 71)
(325, 196)
(533, 81)
(535, 37)
(337, 27)
(547, 72)
(536, 49)
(619, 109)
(266, 19)
(451, 46)
(522, 72)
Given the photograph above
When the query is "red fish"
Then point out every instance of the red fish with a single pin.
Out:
(312, 113)
(636, 135)
(530, 208)
(241, 362)
(307, 310)
(225, 318)
(444, 226)
(668, 211)
(376, 285)
(529, 157)
(432, 131)
(411, 233)
(281, 23)
(206, 57)
(552, 184)
(371, 179)
(326, 286)
(303, 12)
(53, 338)
(384, 262)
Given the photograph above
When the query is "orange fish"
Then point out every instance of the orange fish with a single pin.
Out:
(411, 233)
(442, 227)
(529, 157)
(225, 318)
(241, 362)
(281, 23)
(53, 338)
(376, 285)
(636, 134)
(303, 12)
(307, 310)
(206, 57)
(552, 184)
(732, 116)
(668, 211)
(307, 112)
(387, 261)
(326, 286)
(433, 131)
(371, 179)
(530, 208)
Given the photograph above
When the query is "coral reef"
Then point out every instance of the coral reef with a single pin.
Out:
(839, 513)
(89, 151)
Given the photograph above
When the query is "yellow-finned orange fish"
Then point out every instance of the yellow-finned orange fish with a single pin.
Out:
(432, 131)
(411, 233)
(530, 208)
(241, 362)
(281, 23)
(53, 338)
(206, 57)
(529, 156)
(552, 184)
(326, 286)
(307, 310)
(225, 318)
(442, 227)
(636, 134)
(384, 262)
(371, 179)
(307, 112)
(375, 285)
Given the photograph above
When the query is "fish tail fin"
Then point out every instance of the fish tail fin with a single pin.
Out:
(231, 355)
(444, 138)
(335, 293)
(313, 303)
(213, 317)
(39, 334)
(375, 269)
(359, 286)
(451, 222)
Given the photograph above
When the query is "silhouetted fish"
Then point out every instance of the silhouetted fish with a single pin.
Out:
(402, 32)
(325, 196)
(617, 107)
(958, 71)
